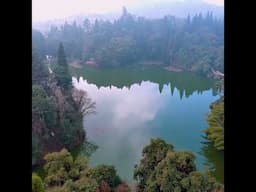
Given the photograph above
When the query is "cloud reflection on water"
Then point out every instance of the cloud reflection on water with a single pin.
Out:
(134, 106)
(125, 116)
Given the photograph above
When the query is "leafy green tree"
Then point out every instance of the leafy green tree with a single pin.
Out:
(81, 185)
(57, 167)
(37, 183)
(163, 169)
(152, 155)
(215, 131)
(43, 107)
(72, 128)
(197, 181)
(105, 173)
(64, 174)
(168, 174)
(61, 71)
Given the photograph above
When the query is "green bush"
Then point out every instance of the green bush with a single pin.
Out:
(37, 183)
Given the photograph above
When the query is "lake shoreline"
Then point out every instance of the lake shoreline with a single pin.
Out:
(78, 65)
(173, 69)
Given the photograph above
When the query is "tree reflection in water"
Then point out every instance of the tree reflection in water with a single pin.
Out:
(214, 160)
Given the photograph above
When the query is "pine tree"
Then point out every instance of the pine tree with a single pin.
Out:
(124, 11)
(188, 19)
(61, 72)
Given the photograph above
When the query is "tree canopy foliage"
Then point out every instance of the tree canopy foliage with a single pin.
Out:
(215, 131)
(44, 106)
(37, 183)
(57, 109)
(105, 173)
(163, 169)
(65, 173)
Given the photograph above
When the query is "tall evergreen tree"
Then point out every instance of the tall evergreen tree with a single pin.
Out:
(61, 72)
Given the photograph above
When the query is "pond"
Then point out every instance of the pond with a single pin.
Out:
(134, 105)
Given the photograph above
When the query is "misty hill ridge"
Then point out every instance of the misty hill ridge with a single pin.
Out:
(154, 10)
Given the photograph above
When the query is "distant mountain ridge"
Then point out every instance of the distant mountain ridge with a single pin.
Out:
(154, 10)
(179, 9)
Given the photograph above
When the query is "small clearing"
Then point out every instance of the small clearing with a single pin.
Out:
(173, 68)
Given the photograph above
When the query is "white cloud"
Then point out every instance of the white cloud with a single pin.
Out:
(135, 106)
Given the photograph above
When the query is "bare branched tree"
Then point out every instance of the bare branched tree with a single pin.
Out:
(83, 102)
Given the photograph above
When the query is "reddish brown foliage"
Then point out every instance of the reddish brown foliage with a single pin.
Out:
(123, 187)
(104, 187)
(218, 190)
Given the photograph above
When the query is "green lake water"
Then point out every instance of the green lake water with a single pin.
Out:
(134, 105)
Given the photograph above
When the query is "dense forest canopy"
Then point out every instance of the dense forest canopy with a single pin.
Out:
(161, 169)
(194, 44)
(64, 173)
(164, 169)
(57, 108)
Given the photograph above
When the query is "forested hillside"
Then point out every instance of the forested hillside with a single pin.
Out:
(57, 108)
(193, 44)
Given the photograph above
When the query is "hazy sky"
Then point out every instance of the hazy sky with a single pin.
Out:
(43, 10)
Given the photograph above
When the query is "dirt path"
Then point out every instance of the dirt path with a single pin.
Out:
(172, 68)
